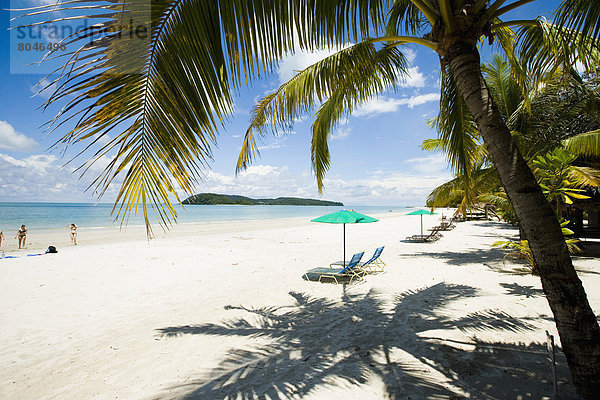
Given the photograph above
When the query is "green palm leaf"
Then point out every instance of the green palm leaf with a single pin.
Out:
(501, 81)
(584, 176)
(580, 15)
(459, 135)
(338, 82)
(405, 16)
(585, 144)
(546, 48)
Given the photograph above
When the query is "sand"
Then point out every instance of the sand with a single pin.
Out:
(219, 310)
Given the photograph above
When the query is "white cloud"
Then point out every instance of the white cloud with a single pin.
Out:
(262, 170)
(299, 60)
(413, 78)
(277, 143)
(299, 119)
(44, 177)
(434, 164)
(410, 54)
(100, 164)
(382, 105)
(237, 110)
(341, 133)
(344, 121)
(10, 139)
(37, 164)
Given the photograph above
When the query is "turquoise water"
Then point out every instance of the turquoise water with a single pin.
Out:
(51, 216)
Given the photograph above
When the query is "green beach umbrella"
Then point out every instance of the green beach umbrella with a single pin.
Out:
(421, 213)
(345, 217)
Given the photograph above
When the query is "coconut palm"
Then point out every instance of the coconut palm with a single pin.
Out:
(166, 97)
(464, 191)
(539, 121)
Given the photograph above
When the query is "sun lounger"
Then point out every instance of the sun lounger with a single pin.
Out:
(375, 264)
(445, 225)
(432, 237)
(350, 273)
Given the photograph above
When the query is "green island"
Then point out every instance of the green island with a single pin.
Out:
(218, 199)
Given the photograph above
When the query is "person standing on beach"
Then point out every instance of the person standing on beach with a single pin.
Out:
(1, 238)
(21, 235)
(73, 234)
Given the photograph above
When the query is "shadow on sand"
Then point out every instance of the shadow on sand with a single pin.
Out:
(323, 343)
(496, 225)
(467, 256)
(514, 289)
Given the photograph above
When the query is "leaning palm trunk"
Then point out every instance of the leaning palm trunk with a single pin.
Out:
(577, 326)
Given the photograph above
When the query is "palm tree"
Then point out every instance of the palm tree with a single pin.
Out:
(539, 120)
(463, 192)
(167, 96)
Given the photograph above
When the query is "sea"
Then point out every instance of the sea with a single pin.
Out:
(53, 216)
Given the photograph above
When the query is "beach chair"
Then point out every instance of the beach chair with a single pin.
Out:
(432, 237)
(444, 226)
(348, 274)
(375, 264)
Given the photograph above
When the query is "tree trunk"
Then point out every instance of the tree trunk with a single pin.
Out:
(576, 323)
(521, 233)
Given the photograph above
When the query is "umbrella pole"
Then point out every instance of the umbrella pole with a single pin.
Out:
(421, 224)
(344, 246)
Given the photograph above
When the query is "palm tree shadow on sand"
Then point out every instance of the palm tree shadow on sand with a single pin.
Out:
(320, 342)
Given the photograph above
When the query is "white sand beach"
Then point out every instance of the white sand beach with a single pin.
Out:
(219, 310)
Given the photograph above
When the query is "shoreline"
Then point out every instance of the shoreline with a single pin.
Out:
(39, 240)
(39, 237)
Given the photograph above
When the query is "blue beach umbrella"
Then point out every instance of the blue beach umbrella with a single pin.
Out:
(344, 217)
(421, 213)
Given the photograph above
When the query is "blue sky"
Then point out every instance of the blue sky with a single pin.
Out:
(376, 155)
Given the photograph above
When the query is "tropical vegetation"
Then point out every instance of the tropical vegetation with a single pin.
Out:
(544, 123)
(554, 111)
(213, 198)
(166, 98)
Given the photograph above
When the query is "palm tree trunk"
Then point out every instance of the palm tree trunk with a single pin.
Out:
(576, 323)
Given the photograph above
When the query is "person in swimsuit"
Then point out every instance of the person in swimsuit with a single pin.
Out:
(73, 233)
(1, 238)
(21, 235)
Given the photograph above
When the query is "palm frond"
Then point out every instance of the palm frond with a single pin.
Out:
(506, 39)
(562, 107)
(338, 82)
(164, 98)
(584, 176)
(435, 145)
(499, 77)
(580, 15)
(456, 127)
(585, 144)
(405, 17)
(546, 48)
(447, 194)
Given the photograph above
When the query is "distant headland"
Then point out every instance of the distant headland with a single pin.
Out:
(218, 199)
